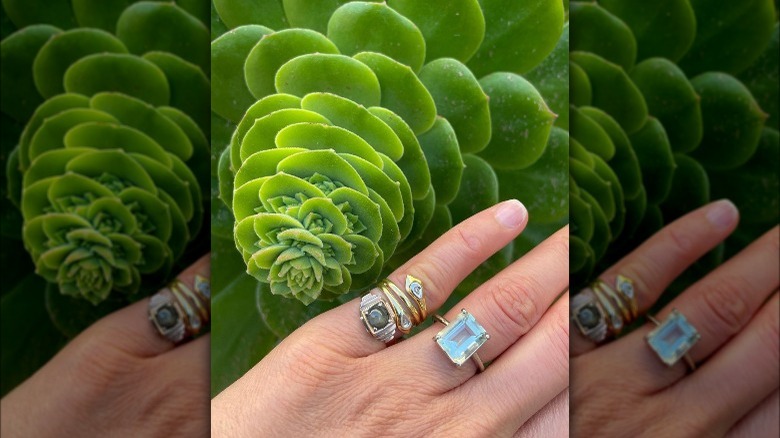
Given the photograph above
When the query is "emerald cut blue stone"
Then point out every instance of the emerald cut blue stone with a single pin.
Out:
(672, 339)
(461, 338)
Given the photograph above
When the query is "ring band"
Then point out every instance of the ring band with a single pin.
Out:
(403, 322)
(673, 338)
(616, 299)
(614, 321)
(411, 304)
(625, 286)
(461, 339)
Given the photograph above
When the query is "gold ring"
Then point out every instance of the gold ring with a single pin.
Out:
(614, 321)
(403, 323)
(617, 299)
(417, 316)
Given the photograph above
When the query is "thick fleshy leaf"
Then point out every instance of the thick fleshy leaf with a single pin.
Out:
(354, 117)
(337, 74)
(50, 135)
(596, 30)
(18, 95)
(318, 136)
(188, 85)
(655, 159)
(444, 159)
(518, 35)
(236, 13)
(762, 78)
(551, 78)
(161, 26)
(230, 96)
(47, 109)
(451, 29)
(274, 50)
(63, 49)
(326, 163)
(478, 189)
(459, 98)
(26, 12)
(521, 121)
(413, 163)
(262, 164)
(402, 91)
(671, 99)
(97, 135)
(261, 136)
(375, 27)
(731, 118)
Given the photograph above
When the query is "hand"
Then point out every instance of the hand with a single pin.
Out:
(117, 378)
(331, 378)
(622, 388)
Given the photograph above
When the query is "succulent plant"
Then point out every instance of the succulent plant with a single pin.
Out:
(670, 106)
(107, 160)
(349, 134)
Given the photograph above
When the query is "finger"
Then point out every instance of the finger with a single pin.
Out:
(662, 258)
(526, 377)
(130, 329)
(738, 377)
(551, 421)
(718, 306)
(507, 307)
(761, 421)
(440, 267)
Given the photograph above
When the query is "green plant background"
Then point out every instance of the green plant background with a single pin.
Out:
(88, 47)
(674, 104)
(476, 152)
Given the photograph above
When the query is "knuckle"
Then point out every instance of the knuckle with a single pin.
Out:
(680, 241)
(467, 239)
(726, 305)
(514, 300)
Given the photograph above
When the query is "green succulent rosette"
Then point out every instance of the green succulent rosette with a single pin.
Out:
(105, 149)
(669, 111)
(348, 135)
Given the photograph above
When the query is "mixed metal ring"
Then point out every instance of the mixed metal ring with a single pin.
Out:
(461, 338)
(387, 309)
(588, 316)
(178, 312)
(673, 338)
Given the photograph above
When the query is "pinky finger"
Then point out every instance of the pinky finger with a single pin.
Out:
(761, 421)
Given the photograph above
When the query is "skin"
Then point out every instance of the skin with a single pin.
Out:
(354, 385)
(622, 389)
(117, 378)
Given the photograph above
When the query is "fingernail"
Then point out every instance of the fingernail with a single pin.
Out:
(511, 213)
(722, 214)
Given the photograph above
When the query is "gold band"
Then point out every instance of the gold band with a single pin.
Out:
(403, 323)
(197, 300)
(417, 317)
(614, 321)
(617, 299)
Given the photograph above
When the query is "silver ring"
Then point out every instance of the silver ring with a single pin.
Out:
(178, 312)
(378, 317)
(461, 338)
(673, 338)
(588, 316)
(167, 316)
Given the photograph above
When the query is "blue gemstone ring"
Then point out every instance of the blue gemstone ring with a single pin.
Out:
(461, 338)
(673, 338)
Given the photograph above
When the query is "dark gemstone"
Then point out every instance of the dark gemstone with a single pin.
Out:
(167, 316)
(589, 316)
(378, 316)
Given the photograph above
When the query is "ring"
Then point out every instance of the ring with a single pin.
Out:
(616, 299)
(588, 316)
(625, 286)
(378, 317)
(672, 339)
(178, 312)
(614, 321)
(461, 339)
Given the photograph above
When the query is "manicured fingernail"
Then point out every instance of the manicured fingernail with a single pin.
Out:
(511, 213)
(722, 214)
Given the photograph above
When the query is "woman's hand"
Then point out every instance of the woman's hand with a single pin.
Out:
(331, 378)
(117, 378)
(622, 388)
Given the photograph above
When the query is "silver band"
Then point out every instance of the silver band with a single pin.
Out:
(378, 316)
(588, 315)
